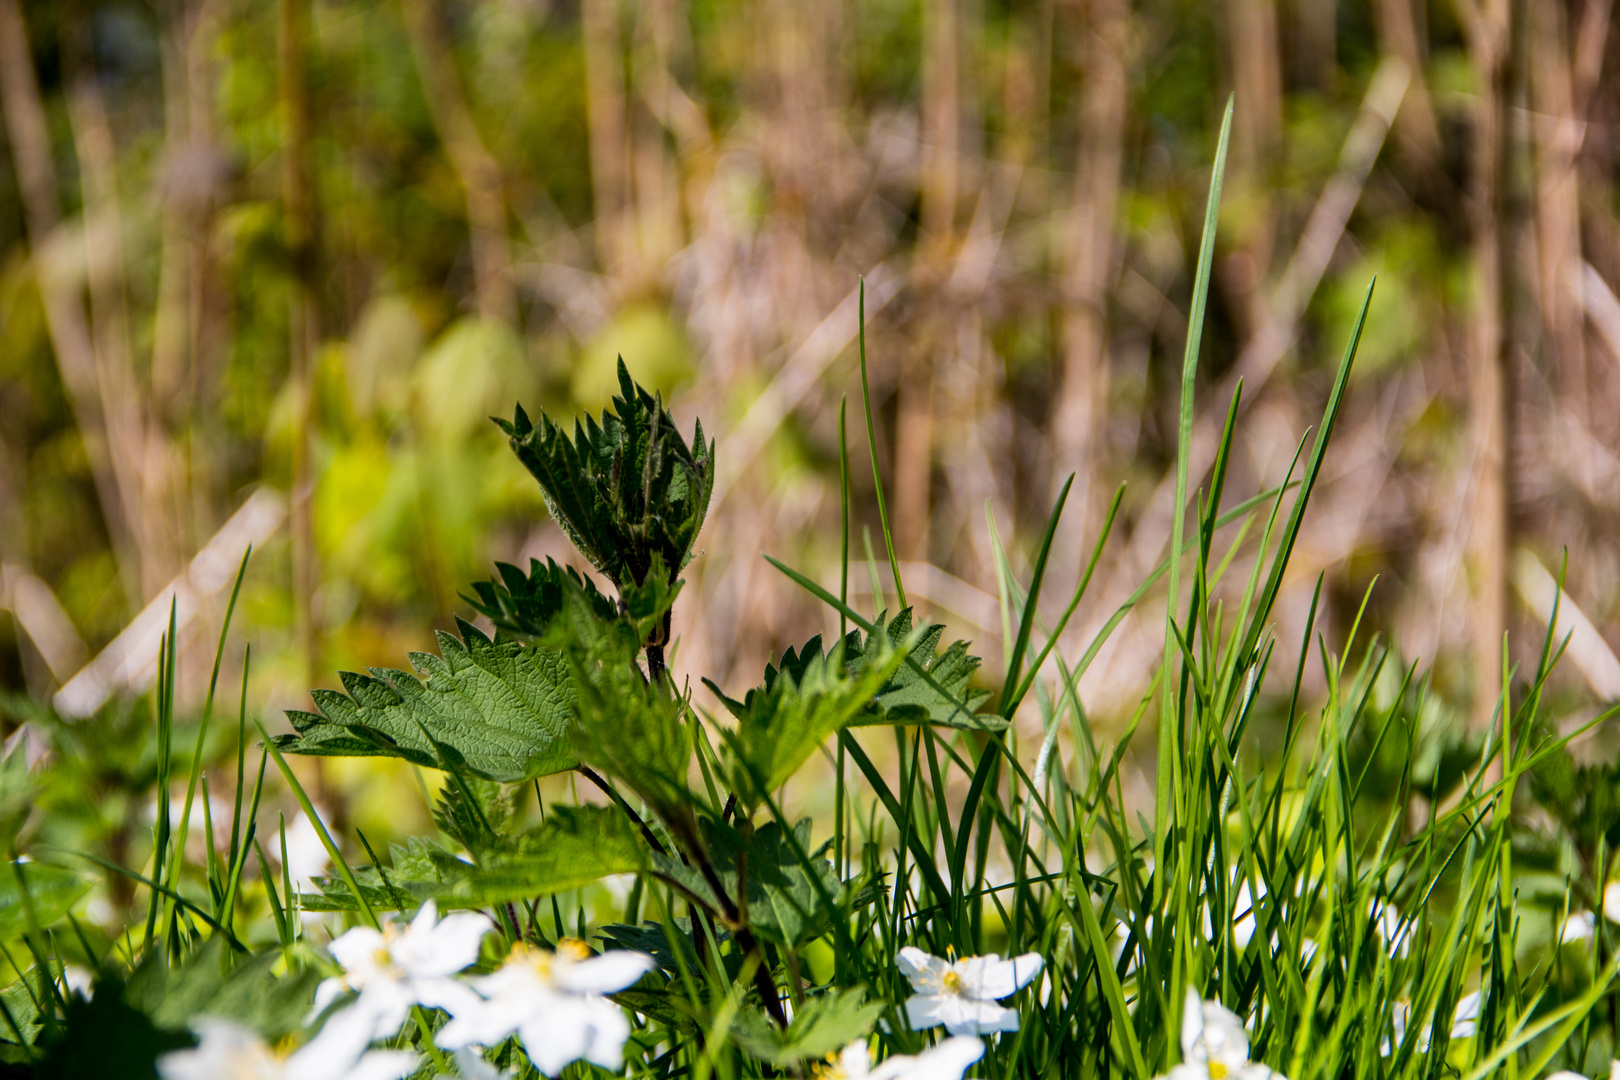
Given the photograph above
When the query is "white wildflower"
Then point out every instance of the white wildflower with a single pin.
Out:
(947, 1061)
(1396, 931)
(1464, 1024)
(472, 1066)
(962, 994)
(1214, 1045)
(554, 1002)
(1465, 1021)
(395, 968)
(228, 1051)
(1244, 906)
(1565, 1074)
(78, 980)
(1611, 901)
(304, 855)
(1579, 926)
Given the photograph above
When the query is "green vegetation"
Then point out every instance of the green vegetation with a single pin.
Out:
(1283, 906)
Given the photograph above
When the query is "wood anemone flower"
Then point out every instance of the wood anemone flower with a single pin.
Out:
(963, 994)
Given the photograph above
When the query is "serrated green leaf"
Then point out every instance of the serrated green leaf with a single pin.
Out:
(52, 890)
(944, 697)
(576, 846)
(623, 724)
(523, 606)
(784, 905)
(21, 1000)
(17, 792)
(801, 704)
(651, 938)
(248, 991)
(821, 1026)
(500, 710)
(624, 488)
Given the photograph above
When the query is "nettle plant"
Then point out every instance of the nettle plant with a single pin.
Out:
(1369, 896)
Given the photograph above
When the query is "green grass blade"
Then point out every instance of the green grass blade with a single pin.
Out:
(871, 446)
(1169, 766)
(1026, 624)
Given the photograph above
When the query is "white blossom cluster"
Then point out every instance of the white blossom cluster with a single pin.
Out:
(555, 1002)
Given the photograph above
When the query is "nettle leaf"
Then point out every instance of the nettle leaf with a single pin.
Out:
(52, 890)
(652, 939)
(574, 847)
(472, 812)
(808, 699)
(943, 697)
(249, 991)
(623, 724)
(784, 905)
(498, 709)
(18, 790)
(821, 1026)
(21, 1002)
(625, 488)
(523, 606)
(1585, 799)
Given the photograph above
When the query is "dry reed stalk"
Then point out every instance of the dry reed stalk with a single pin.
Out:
(475, 167)
(1488, 27)
(298, 224)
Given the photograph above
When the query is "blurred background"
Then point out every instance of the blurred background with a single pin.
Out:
(266, 268)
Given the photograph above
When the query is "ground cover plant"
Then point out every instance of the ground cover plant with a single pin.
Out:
(986, 906)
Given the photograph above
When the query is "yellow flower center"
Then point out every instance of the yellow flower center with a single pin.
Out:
(830, 1069)
(1217, 1071)
(384, 956)
(542, 961)
(952, 982)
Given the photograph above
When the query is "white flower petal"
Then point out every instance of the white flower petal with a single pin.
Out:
(451, 995)
(1192, 1024)
(1566, 1075)
(1212, 1032)
(1611, 901)
(484, 1024)
(575, 1028)
(965, 1016)
(606, 974)
(924, 971)
(356, 950)
(443, 948)
(325, 994)
(345, 1036)
(383, 1065)
(1465, 1021)
(224, 1050)
(947, 1061)
(472, 1066)
(991, 977)
(856, 1061)
(1253, 1070)
(895, 1067)
(923, 1011)
(1579, 926)
(1185, 1072)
